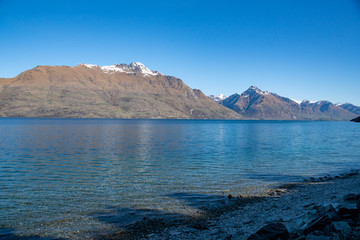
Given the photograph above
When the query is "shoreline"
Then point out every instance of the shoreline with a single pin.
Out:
(240, 216)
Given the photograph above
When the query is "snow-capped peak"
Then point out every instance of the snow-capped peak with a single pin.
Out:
(135, 67)
(138, 66)
(221, 96)
(218, 98)
(257, 90)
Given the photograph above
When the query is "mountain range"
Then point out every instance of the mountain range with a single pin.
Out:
(134, 91)
(257, 104)
(116, 91)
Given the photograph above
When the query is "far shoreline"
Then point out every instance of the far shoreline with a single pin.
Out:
(175, 119)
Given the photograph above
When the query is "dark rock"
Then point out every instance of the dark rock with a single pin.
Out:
(248, 222)
(272, 231)
(356, 119)
(354, 235)
(341, 227)
(327, 215)
(201, 225)
(349, 211)
(350, 197)
(319, 237)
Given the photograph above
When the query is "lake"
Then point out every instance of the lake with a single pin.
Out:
(78, 178)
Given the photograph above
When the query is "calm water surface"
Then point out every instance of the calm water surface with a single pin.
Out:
(66, 178)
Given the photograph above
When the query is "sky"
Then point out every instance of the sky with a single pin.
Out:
(301, 49)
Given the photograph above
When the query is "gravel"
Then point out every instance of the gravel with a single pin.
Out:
(244, 215)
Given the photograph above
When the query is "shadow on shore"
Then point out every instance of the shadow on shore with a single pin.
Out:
(8, 234)
(136, 223)
(209, 206)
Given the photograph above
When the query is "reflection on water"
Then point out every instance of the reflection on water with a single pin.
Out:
(70, 178)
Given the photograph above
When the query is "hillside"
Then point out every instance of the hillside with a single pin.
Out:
(257, 104)
(117, 91)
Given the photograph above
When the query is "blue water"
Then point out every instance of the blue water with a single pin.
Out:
(73, 178)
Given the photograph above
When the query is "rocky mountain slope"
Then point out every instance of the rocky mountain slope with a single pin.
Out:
(116, 91)
(351, 108)
(257, 104)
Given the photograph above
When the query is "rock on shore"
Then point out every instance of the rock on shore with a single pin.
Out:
(321, 208)
(356, 119)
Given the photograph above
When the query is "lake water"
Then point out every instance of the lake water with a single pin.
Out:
(74, 178)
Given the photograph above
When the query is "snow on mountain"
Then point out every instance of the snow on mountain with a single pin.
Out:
(255, 89)
(257, 104)
(217, 98)
(350, 107)
(135, 67)
(89, 65)
(297, 101)
(305, 101)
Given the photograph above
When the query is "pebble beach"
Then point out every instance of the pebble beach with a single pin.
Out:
(295, 207)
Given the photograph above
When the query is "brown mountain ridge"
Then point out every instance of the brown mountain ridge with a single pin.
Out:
(257, 104)
(117, 91)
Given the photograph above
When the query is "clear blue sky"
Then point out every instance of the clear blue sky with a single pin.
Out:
(302, 49)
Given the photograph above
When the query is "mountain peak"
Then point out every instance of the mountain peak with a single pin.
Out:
(254, 89)
(134, 67)
(257, 104)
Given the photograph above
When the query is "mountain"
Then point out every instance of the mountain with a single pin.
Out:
(351, 108)
(218, 98)
(116, 91)
(257, 104)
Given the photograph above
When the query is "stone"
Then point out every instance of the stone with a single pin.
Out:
(322, 221)
(350, 197)
(340, 227)
(349, 211)
(315, 237)
(174, 232)
(272, 231)
(200, 225)
(355, 119)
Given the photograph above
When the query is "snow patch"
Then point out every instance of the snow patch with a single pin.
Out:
(311, 102)
(218, 98)
(111, 68)
(297, 101)
(258, 91)
(89, 65)
(135, 67)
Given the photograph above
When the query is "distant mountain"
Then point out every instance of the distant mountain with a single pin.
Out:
(217, 98)
(116, 91)
(257, 104)
(351, 108)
